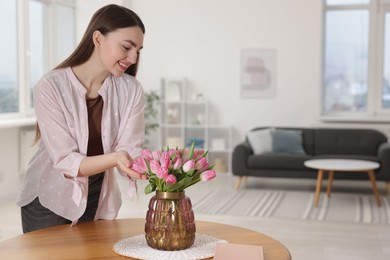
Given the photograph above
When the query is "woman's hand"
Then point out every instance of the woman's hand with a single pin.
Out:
(124, 162)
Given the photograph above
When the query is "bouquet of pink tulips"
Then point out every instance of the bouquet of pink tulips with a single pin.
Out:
(172, 170)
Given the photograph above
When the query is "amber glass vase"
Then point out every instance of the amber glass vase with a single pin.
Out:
(170, 222)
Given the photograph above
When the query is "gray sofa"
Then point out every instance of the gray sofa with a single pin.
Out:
(365, 144)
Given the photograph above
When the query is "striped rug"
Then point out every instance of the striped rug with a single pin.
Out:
(349, 207)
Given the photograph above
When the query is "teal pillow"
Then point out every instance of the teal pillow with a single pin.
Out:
(287, 141)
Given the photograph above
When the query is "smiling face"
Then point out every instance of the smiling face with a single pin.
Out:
(119, 49)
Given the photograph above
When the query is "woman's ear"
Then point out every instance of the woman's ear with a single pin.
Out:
(97, 38)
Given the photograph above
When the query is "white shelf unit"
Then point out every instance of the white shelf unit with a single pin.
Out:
(219, 143)
(184, 118)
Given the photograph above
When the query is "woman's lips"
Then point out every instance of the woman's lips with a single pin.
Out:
(123, 66)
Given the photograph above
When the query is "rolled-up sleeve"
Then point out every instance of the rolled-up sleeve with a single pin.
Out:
(132, 128)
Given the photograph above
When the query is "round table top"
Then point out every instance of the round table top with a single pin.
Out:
(341, 164)
(94, 240)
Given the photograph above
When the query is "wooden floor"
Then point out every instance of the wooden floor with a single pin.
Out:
(306, 240)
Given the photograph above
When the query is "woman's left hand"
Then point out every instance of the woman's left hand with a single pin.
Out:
(124, 162)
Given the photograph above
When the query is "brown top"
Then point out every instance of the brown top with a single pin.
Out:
(95, 108)
(95, 147)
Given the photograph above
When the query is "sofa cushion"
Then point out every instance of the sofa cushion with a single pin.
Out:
(260, 141)
(307, 136)
(287, 141)
(278, 161)
(348, 141)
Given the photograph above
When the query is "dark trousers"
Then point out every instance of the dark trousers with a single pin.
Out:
(35, 216)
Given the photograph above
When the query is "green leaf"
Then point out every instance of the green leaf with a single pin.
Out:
(191, 172)
(180, 175)
(196, 176)
(195, 179)
(162, 185)
(191, 152)
(178, 186)
(149, 188)
(153, 180)
(210, 167)
(148, 166)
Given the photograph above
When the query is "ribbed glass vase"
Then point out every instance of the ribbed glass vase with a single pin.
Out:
(170, 222)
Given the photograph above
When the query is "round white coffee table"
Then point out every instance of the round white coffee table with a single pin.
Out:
(342, 165)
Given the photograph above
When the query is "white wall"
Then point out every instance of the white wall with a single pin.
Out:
(84, 11)
(9, 163)
(13, 160)
(202, 40)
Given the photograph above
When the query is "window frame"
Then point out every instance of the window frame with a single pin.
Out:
(26, 110)
(382, 10)
(374, 112)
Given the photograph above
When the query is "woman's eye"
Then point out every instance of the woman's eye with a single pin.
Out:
(126, 48)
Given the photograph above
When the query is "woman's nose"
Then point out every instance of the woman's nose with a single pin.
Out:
(132, 56)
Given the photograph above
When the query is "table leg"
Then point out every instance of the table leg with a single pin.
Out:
(371, 175)
(330, 182)
(387, 187)
(320, 176)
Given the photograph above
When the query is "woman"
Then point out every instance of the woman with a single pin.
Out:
(90, 114)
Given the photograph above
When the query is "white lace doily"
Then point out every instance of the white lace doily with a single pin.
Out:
(136, 247)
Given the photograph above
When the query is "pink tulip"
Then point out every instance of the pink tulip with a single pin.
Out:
(155, 167)
(156, 155)
(202, 164)
(177, 163)
(147, 154)
(165, 160)
(139, 165)
(185, 153)
(170, 179)
(197, 154)
(208, 175)
(162, 173)
(189, 165)
(172, 152)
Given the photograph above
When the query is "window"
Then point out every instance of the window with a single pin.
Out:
(38, 44)
(386, 62)
(40, 34)
(356, 72)
(9, 93)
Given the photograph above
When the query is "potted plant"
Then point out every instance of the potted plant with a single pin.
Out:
(151, 111)
(170, 221)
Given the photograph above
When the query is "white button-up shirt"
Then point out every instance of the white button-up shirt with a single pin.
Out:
(61, 111)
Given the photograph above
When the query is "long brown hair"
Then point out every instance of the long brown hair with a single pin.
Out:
(105, 20)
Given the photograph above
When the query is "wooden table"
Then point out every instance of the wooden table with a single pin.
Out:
(94, 240)
(342, 165)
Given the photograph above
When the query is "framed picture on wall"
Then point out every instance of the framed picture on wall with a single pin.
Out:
(258, 73)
